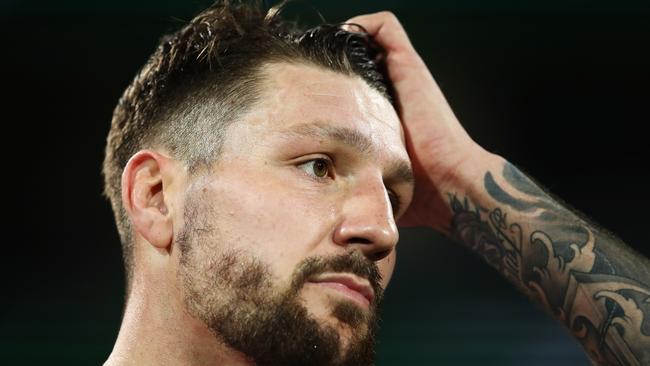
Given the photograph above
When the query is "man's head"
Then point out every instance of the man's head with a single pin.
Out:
(258, 169)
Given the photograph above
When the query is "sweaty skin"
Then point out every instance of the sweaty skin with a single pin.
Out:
(588, 279)
(322, 167)
(315, 169)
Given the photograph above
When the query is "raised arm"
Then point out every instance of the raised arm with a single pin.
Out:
(584, 276)
(581, 274)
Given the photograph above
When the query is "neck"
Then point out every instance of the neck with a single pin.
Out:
(157, 330)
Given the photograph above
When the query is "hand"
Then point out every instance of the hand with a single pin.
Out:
(440, 149)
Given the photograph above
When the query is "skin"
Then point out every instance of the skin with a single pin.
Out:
(264, 179)
(583, 275)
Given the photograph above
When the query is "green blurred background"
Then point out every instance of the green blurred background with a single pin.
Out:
(560, 88)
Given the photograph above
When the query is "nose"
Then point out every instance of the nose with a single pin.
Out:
(367, 222)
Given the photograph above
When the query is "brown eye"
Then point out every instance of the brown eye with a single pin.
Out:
(319, 168)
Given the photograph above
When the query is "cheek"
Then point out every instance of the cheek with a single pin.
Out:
(270, 219)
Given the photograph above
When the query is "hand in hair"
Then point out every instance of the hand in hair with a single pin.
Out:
(550, 252)
(441, 151)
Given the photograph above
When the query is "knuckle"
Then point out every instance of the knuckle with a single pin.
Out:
(389, 16)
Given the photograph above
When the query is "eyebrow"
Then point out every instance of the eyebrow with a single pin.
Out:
(399, 170)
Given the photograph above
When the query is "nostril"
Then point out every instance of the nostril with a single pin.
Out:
(371, 251)
(377, 256)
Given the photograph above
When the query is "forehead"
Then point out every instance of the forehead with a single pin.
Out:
(298, 94)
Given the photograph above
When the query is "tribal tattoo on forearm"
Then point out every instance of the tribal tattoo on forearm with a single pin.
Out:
(584, 276)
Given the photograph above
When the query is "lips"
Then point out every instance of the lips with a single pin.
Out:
(347, 283)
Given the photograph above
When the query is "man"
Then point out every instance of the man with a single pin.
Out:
(257, 174)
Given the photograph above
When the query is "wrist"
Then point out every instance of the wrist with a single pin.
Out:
(465, 179)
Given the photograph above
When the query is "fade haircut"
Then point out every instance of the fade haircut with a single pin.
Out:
(206, 75)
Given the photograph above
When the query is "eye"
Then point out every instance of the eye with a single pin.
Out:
(319, 168)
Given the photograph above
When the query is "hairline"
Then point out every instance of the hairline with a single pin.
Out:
(261, 77)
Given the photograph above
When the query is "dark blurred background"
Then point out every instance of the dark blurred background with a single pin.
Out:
(560, 88)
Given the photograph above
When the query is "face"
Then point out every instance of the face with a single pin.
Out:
(288, 241)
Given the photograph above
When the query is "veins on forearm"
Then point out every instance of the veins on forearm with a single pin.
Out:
(583, 276)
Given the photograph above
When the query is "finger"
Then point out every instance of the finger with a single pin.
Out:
(385, 29)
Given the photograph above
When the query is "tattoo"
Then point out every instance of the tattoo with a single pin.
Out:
(586, 278)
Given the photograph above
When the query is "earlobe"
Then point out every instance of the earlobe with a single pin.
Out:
(143, 197)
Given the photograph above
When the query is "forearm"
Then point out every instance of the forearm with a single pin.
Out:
(585, 277)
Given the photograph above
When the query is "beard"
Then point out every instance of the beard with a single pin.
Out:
(234, 294)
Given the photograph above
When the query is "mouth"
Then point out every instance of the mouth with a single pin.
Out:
(348, 285)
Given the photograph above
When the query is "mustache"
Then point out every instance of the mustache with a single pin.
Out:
(351, 262)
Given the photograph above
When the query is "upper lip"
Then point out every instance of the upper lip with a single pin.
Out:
(349, 280)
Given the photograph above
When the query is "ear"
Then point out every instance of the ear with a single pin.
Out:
(144, 199)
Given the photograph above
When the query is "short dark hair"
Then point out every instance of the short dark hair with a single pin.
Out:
(207, 74)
